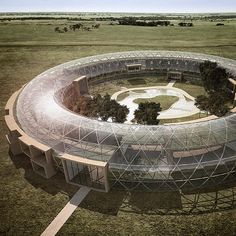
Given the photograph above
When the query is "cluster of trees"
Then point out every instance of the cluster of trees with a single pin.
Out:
(147, 113)
(212, 104)
(78, 26)
(215, 82)
(185, 24)
(134, 21)
(102, 107)
(59, 30)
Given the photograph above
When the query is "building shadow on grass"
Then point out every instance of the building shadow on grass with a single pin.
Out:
(106, 203)
(154, 203)
(181, 203)
(53, 186)
(160, 202)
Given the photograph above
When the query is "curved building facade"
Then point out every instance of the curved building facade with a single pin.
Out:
(105, 155)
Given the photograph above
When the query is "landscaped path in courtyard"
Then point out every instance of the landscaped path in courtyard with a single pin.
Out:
(66, 212)
(182, 108)
(170, 84)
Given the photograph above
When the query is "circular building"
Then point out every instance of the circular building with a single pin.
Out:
(104, 155)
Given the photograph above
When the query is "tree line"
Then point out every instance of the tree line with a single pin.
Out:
(74, 27)
(114, 17)
(185, 24)
(134, 21)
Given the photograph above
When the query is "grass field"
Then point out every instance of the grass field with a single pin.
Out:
(29, 203)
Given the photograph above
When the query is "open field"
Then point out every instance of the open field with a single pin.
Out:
(29, 203)
(204, 36)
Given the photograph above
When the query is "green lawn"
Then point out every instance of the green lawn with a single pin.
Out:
(29, 203)
(165, 101)
(183, 119)
(117, 85)
(147, 81)
(122, 96)
(193, 90)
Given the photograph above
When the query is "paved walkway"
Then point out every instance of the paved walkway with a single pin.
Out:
(182, 108)
(66, 212)
(171, 84)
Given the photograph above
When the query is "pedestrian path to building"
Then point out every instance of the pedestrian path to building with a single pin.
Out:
(66, 212)
(171, 84)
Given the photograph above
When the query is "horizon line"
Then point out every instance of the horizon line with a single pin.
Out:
(117, 12)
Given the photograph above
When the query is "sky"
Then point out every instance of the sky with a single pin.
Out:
(149, 6)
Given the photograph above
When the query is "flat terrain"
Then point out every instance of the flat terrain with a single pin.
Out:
(29, 203)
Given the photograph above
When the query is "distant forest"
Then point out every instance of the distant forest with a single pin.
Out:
(113, 16)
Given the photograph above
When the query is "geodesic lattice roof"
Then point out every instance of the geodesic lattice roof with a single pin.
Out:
(155, 150)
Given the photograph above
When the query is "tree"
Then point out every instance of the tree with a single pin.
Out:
(185, 24)
(212, 103)
(220, 24)
(109, 108)
(202, 103)
(214, 78)
(219, 109)
(118, 112)
(121, 114)
(101, 107)
(147, 113)
(86, 107)
(81, 105)
(76, 26)
(96, 26)
(104, 107)
(57, 29)
(215, 104)
(215, 82)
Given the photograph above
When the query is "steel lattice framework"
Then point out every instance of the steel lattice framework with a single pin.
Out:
(150, 158)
